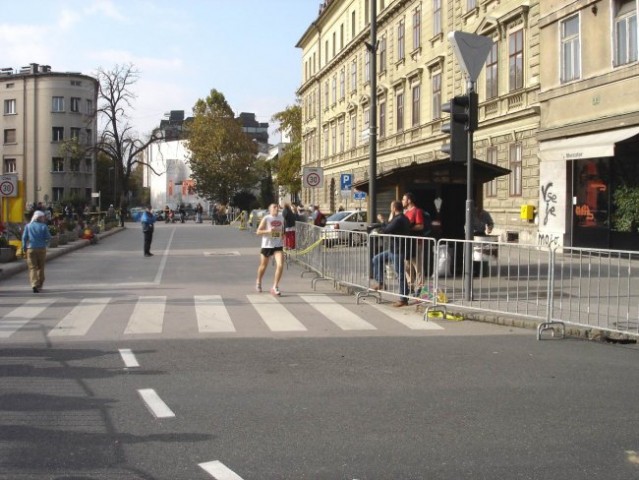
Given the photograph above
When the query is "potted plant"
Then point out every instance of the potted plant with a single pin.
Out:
(7, 251)
(54, 242)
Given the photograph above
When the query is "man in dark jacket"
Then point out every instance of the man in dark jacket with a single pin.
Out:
(395, 253)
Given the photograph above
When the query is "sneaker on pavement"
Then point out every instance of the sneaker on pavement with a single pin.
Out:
(258, 287)
(400, 303)
(276, 291)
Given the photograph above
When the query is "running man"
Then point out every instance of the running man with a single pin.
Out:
(272, 231)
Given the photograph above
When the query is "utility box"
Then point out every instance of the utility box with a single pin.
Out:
(527, 212)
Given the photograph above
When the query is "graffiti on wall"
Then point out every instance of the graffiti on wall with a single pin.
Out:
(550, 202)
(548, 239)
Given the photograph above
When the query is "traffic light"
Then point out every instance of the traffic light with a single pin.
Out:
(463, 119)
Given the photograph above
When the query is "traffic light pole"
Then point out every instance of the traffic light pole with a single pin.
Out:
(372, 136)
(468, 250)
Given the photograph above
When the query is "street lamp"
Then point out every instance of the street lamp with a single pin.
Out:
(112, 188)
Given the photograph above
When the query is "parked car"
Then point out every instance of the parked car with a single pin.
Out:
(135, 213)
(255, 217)
(340, 224)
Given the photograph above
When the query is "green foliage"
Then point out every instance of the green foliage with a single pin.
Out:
(626, 213)
(289, 163)
(222, 155)
(243, 199)
(267, 190)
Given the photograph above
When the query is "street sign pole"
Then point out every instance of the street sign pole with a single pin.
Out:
(471, 51)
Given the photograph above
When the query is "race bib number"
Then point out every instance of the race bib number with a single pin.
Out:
(276, 233)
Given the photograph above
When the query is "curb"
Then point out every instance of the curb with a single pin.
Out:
(20, 265)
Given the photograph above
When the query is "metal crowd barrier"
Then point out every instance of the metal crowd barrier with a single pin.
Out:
(556, 286)
(595, 288)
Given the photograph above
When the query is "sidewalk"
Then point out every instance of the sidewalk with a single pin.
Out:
(20, 265)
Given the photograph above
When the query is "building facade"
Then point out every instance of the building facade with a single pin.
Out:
(42, 111)
(589, 135)
(168, 174)
(568, 132)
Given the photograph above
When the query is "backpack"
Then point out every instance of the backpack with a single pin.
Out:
(320, 220)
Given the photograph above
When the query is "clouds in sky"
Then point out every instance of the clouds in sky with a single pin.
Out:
(243, 48)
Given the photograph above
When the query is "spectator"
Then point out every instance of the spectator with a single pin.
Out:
(35, 240)
(482, 222)
(398, 226)
(415, 255)
(147, 220)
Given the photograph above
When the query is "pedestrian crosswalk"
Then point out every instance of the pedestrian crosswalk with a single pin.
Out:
(157, 315)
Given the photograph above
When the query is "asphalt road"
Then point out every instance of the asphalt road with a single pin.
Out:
(173, 367)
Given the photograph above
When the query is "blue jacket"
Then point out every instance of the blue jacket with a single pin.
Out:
(147, 220)
(35, 235)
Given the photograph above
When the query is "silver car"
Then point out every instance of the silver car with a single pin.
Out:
(341, 225)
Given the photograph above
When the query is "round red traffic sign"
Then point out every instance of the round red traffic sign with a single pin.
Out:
(313, 179)
(6, 188)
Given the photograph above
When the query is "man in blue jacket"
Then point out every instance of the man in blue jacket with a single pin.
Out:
(35, 240)
(147, 220)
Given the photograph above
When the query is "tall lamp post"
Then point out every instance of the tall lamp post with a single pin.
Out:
(112, 185)
(372, 134)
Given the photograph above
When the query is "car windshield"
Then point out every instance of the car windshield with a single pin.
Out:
(336, 217)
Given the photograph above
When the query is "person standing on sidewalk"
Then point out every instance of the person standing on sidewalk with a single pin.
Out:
(35, 240)
(415, 254)
(147, 221)
(271, 229)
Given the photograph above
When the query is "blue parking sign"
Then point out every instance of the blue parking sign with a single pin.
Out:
(359, 195)
(346, 181)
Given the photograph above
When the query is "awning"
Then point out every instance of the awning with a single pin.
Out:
(595, 145)
(438, 172)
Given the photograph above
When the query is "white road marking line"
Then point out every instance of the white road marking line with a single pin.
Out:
(155, 404)
(16, 319)
(411, 320)
(212, 315)
(336, 313)
(275, 315)
(148, 316)
(219, 471)
(128, 358)
(165, 257)
(79, 320)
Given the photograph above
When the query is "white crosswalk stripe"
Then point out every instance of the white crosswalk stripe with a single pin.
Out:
(336, 313)
(207, 314)
(413, 322)
(212, 315)
(81, 318)
(275, 315)
(22, 315)
(148, 316)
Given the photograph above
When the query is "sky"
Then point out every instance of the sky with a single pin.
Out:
(182, 49)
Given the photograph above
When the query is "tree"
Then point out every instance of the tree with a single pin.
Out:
(222, 155)
(289, 164)
(118, 141)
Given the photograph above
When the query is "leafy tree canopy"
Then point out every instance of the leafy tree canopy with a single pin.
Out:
(222, 155)
(289, 164)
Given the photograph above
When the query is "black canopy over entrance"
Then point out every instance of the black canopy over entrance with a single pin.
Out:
(440, 172)
(442, 180)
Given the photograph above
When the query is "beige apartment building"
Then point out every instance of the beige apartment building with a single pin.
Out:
(416, 73)
(41, 110)
(589, 132)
